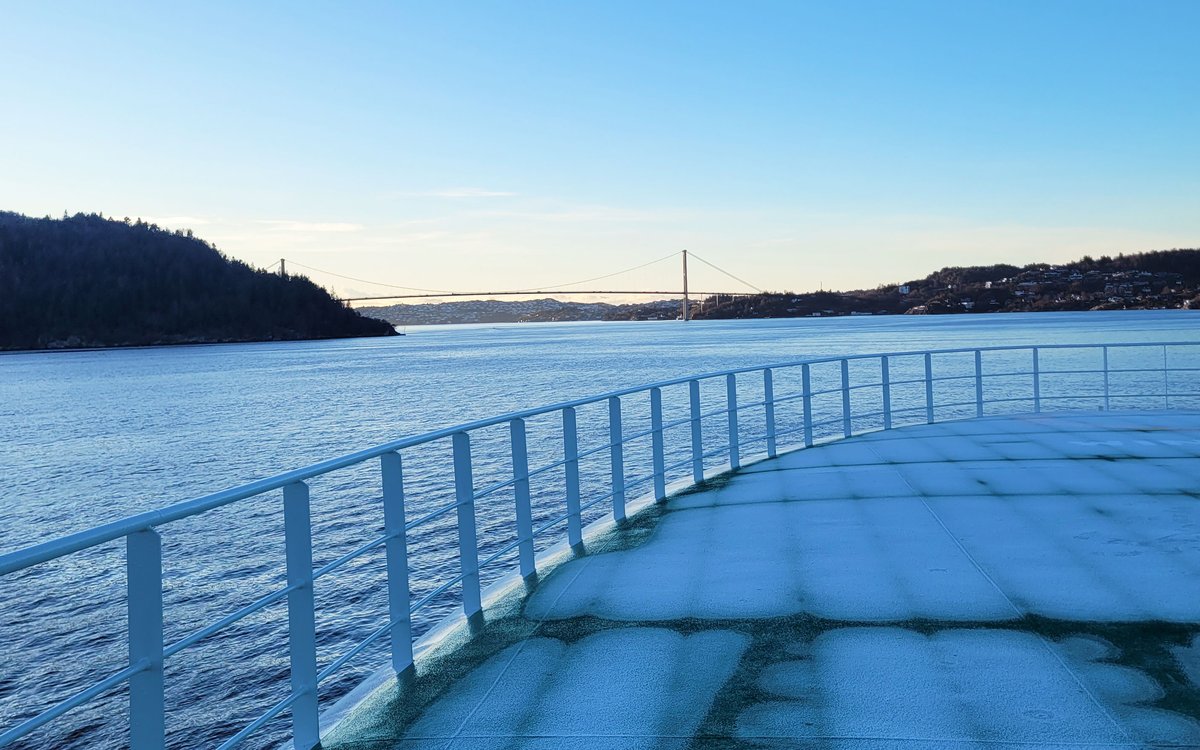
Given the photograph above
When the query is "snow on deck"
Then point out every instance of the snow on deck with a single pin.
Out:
(1013, 582)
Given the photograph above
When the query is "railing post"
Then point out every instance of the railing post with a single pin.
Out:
(887, 392)
(396, 550)
(616, 437)
(806, 390)
(769, 405)
(656, 443)
(468, 544)
(143, 562)
(302, 626)
(847, 429)
(697, 433)
(520, 461)
(929, 389)
(978, 383)
(735, 459)
(1037, 383)
(571, 472)
(1106, 391)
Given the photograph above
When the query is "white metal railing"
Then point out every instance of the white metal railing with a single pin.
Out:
(837, 397)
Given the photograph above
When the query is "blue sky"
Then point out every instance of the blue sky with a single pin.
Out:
(509, 145)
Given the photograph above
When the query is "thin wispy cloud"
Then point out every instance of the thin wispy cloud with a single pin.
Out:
(443, 239)
(590, 214)
(177, 221)
(281, 225)
(459, 193)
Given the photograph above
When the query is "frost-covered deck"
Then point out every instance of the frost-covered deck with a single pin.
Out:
(1012, 582)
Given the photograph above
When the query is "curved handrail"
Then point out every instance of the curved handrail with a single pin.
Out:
(109, 532)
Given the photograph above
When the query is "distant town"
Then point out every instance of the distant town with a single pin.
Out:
(1168, 279)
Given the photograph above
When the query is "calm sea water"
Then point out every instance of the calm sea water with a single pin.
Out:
(88, 437)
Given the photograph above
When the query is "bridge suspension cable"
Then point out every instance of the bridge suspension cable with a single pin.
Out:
(594, 278)
(366, 281)
(560, 288)
(533, 289)
(722, 270)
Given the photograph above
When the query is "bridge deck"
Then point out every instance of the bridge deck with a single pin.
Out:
(1016, 582)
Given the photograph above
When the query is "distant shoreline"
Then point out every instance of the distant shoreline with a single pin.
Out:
(950, 313)
(172, 344)
(1156, 280)
(168, 345)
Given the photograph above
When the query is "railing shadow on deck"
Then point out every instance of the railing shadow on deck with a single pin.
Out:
(790, 405)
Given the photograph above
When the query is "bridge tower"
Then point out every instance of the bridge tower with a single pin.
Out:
(686, 313)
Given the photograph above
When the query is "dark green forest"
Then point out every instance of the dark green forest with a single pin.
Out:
(90, 281)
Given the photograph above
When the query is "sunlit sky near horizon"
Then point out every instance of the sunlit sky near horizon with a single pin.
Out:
(512, 145)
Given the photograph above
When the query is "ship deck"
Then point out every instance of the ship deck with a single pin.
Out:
(1011, 582)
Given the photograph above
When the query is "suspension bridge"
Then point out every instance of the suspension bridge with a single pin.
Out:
(409, 292)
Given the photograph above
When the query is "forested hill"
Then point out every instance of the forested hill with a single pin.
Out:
(88, 281)
(1163, 279)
